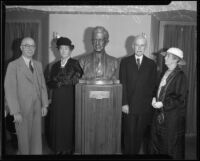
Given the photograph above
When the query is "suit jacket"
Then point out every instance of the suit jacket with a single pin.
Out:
(19, 87)
(139, 86)
(89, 65)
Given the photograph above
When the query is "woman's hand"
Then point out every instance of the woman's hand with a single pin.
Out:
(158, 105)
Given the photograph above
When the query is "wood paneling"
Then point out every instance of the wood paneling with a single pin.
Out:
(98, 121)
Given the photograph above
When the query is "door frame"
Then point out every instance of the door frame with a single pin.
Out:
(161, 32)
(161, 40)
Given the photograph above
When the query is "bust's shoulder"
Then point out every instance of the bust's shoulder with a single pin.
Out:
(111, 58)
(85, 57)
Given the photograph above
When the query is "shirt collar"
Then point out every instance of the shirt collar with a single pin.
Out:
(27, 60)
(139, 57)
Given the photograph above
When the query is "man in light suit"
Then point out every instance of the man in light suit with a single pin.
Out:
(138, 77)
(26, 96)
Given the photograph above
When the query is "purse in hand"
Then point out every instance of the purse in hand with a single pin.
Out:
(161, 116)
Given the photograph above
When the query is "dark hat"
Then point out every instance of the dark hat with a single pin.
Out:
(64, 41)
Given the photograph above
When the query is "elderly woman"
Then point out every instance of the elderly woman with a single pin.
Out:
(168, 129)
(64, 75)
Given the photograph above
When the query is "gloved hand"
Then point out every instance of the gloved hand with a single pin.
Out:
(153, 101)
(158, 104)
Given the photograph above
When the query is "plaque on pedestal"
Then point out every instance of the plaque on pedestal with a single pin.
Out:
(98, 118)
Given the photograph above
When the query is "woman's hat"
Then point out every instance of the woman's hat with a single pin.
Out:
(175, 51)
(64, 41)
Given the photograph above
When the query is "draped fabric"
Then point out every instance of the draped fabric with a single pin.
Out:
(14, 32)
(184, 37)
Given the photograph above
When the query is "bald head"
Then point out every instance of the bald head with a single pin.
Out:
(140, 37)
(27, 40)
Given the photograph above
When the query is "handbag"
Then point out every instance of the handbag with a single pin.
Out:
(161, 116)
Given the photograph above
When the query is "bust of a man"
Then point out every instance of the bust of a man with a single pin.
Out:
(98, 65)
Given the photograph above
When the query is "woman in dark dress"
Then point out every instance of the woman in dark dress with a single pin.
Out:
(64, 75)
(169, 121)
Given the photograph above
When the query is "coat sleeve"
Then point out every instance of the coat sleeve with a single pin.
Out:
(123, 78)
(154, 80)
(44, 94)
(78, 72)
(10, 86)
(178, 96)
(51, 83)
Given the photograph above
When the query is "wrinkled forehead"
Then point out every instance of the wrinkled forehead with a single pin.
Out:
(98, 35)
(140, 39)
(28, 40)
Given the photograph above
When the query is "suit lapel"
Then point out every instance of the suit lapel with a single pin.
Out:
(37, 72)
(143, 64)
(25, 70)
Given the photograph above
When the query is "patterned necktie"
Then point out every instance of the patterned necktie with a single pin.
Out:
(138, 63)
(30, 66)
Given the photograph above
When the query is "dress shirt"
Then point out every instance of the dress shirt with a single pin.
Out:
(27, 60)
(139, 57)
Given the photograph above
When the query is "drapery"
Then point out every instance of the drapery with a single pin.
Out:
(184, 37)
(14, 32)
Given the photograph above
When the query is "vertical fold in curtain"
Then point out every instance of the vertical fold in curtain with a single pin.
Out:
(15, 31)
(184, 38)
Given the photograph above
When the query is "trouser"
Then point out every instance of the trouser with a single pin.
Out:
(134, 129)
(29, 132)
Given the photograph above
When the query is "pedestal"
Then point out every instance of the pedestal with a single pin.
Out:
(98, 119)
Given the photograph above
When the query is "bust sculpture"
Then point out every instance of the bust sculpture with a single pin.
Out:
(98, 65)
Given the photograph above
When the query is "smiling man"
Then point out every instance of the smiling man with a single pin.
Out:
(138, 77)
(26, 96)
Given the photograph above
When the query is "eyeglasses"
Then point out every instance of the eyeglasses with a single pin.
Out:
(29, 46)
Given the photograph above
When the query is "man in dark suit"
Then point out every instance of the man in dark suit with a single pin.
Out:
(138, 77)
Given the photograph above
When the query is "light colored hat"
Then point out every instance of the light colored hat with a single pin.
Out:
(175, 51)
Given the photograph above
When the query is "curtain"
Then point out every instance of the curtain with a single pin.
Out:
(14, 33)
(184, 37)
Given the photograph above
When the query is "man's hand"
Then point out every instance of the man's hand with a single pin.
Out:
(125, 109)
(18, 118)
(44, 111)
(50, 101)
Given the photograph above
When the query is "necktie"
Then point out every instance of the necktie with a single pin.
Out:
(30, 66)
(138, 62)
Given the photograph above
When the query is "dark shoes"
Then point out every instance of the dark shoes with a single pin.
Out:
(69, 152)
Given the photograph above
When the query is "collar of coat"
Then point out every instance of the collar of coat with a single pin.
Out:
(168, 81)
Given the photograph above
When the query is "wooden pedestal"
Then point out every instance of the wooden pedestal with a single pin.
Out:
(98, 119)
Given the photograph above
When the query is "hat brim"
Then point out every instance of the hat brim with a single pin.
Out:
(163, 53)
(181, 62)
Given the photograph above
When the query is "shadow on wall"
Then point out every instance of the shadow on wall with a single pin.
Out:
(128, 47)
(57, 58)
(87, 41)
(16, 52)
